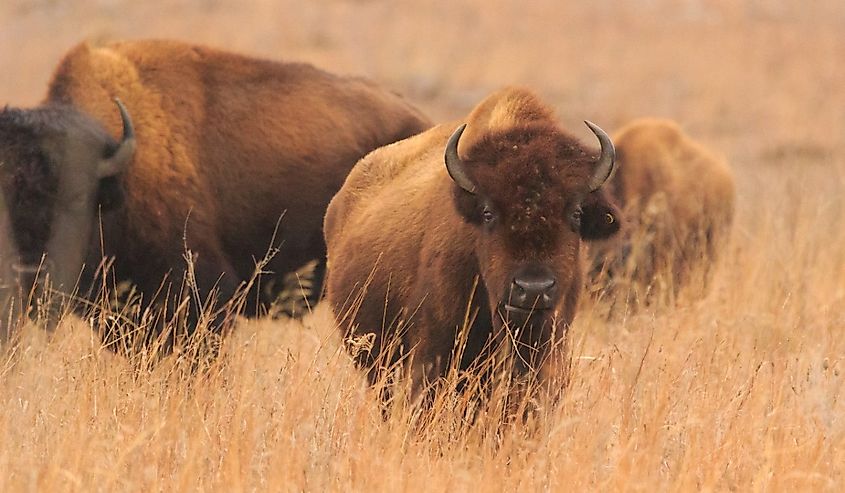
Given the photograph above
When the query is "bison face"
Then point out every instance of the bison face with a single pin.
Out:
(532, 197)
(54, 163)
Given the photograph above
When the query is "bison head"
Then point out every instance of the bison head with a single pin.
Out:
(531, 193)
(56, 167)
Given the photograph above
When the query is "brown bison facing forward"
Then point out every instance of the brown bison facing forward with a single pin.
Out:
(409, 237)
(678, 201)
(224, 150)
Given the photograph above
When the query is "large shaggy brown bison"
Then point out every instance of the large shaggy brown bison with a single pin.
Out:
(678, 201)
(477, 228)
(220, 155)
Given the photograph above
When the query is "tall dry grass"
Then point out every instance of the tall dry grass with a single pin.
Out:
(739, 389)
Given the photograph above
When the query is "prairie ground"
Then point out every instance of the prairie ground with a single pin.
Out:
(740, 389)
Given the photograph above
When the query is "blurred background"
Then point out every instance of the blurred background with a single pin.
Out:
(761, 82)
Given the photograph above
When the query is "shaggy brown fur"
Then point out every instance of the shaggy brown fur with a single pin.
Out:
(228, 147)
(407, 245)
(678, 201)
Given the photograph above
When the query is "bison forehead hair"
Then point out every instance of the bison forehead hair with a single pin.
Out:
(28, 180)
(47, 120)
(23, 134)
(532, 173)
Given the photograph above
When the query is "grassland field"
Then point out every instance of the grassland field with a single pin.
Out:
(740, 389)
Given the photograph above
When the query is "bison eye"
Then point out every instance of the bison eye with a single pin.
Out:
(575, 219)
(488, 216)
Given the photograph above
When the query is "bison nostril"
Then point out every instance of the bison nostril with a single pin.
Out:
(535, 285)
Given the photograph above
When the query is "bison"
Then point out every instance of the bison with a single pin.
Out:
(678, 201)
(467, 237)
(221, 158)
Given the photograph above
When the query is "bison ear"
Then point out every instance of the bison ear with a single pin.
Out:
(600, 218)
(118, 160)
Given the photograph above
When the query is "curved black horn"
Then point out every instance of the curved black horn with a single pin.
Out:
(126, 148)
(606, 164)
(128, 129)
(454, 165)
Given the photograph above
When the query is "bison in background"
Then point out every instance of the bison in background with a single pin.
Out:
(454, 243)
(678, 202)
(223, 156)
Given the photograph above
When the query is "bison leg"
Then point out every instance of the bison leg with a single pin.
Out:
(296, 292)
(319, 286)
(214, 289)
(207, 298)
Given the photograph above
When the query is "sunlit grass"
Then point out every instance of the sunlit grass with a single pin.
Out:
(739, 388)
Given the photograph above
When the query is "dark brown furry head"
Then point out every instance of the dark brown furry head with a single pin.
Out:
(532, 203)
(534, 175)
(49, 158)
